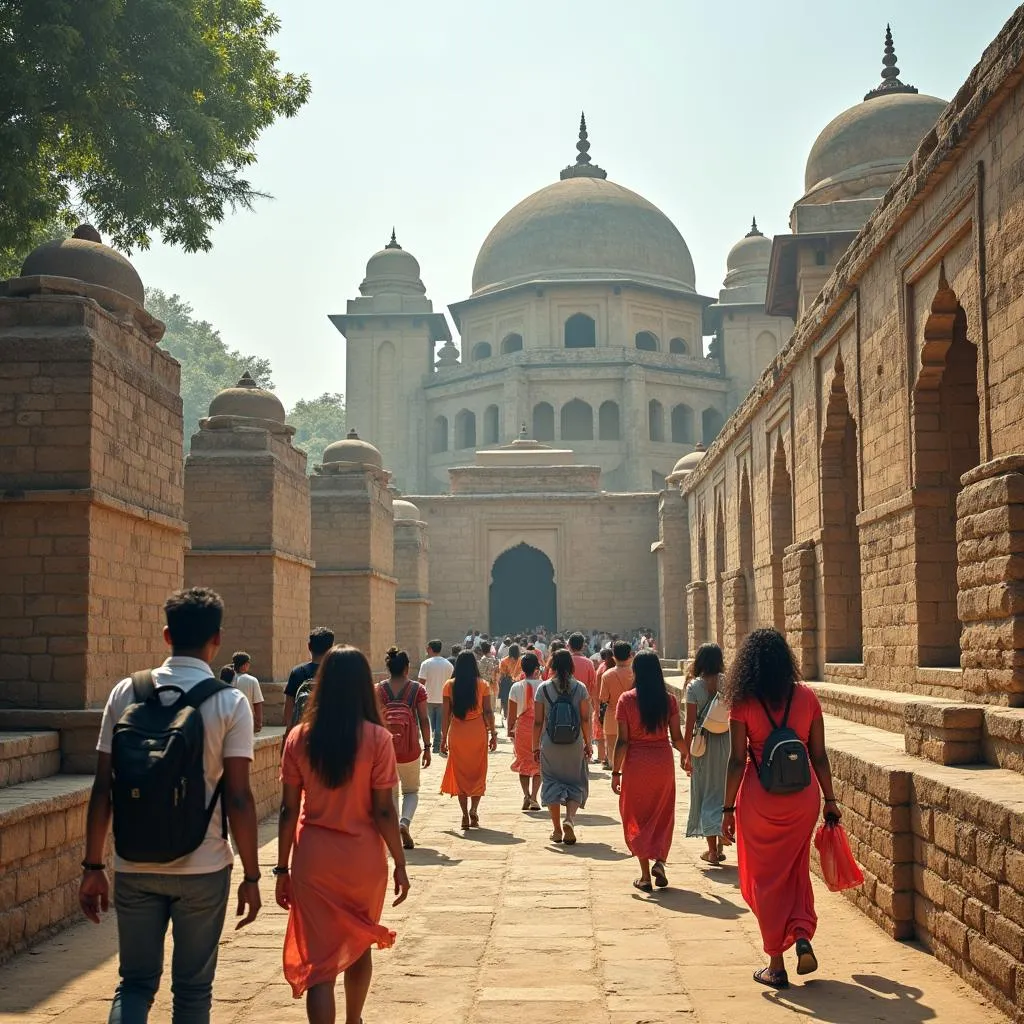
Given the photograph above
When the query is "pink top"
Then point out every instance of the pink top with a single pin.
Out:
(583, 669)
(628, 710)
(349, 808)
(802, 713)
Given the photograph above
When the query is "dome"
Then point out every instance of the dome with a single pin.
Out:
(392, 271)
(248, 399)
(860, 152)
(752, 252)
(689, 462)
(85, 258)
(353, 452)
(406, 510)
(584, 227)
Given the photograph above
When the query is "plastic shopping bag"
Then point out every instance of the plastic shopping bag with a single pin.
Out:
(838, 867)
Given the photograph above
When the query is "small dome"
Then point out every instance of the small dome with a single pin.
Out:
(752, 252)
(85, 258)
(248, 399)
(392, 271)
(689, 462)
(352, 451)
(406, 510)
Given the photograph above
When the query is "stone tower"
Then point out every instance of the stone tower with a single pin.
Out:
(390, 332)
(247, 506)
(91, 531)
(353, 587)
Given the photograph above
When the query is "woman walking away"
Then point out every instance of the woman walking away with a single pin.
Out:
(521, 701)
(338, 771)
(508, 672)
(771, 799)
(404, 703)
(644, 774)
(707, 772)
(607, 661)
(467, 719)
(561, 743)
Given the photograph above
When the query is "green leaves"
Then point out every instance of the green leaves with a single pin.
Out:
(144, 112)
(318, 422)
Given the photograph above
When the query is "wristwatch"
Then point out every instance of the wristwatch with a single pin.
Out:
(251, 879)
(89, 866)
(278, 872)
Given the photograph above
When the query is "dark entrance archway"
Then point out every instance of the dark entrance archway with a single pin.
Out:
(523, 594)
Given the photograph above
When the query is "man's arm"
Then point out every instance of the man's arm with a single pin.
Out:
(241, 808)
(94, 890)
(257, 717)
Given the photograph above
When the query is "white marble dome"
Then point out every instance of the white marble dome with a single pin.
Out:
(689, 462)
(392, 271)
(406, 510)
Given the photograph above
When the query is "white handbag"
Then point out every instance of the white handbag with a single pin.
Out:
(716, 718)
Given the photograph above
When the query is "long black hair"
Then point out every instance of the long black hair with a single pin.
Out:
(342, 699)
(709, 661)
(562, 668)
(764, 668)
(651, 692)
(466, 677)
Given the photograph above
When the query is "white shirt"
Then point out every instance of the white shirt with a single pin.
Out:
(542, 647)
(434, 673)
(227, 732)
(250, 686)
(502, 652)
(518, 692)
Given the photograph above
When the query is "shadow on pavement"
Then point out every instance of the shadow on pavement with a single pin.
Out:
(591, 851)
(424, 856)
(683, 901)
(487, 836)
(583, 818)
(871, 998)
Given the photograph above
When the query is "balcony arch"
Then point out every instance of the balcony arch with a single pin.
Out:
(608, 428)
(511, 343)
(465, 429)
(679, 347)
(580, 331)
(481, 350)
(646, 341)
(577, 419)
(544, 421)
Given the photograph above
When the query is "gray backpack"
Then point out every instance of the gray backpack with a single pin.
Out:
(563, 718)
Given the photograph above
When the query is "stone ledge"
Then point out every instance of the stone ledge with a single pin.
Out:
(26, 756)
(77, 729)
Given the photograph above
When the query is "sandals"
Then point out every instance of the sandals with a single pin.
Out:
(660, 878)
(773, 979)
(526, 803)
(706, 857)
(643, 886)
(465, 823)
(569, 834)
(474, 821)
(806, 961)
(556, 837)
(534, 806)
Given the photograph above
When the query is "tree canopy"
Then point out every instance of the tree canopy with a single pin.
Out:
(319, 422)
(207, 364)
(141, 115)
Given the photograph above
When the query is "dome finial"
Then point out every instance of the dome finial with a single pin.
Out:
(753, 232)
(583, 168)
(890, 73)
(393, 244)
(246, 381)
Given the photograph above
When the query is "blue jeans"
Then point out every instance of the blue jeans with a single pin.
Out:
(435, 716)
(195, 906)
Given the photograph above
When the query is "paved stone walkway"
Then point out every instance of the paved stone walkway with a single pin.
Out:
(503, 926)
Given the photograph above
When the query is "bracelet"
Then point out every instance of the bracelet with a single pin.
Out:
(89, 866)
(250, 879)
(616, 773)
(832, 800)
(278, 872)
(729, 810)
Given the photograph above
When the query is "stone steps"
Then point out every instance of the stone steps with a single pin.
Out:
(27, 756)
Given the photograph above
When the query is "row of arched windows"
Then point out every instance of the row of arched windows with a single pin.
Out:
(580, 331)
(465, 430)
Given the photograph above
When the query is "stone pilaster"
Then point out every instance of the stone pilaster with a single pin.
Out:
(412, 601)
(990, 602)
(698, 631)
(673, 551)
(735, 611)
(798, 570)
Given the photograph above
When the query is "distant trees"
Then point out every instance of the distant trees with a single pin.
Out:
(319, 422)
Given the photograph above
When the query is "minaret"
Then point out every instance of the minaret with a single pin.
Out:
(391, 330)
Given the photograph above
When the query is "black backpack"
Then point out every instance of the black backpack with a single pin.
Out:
(563, 718)
(159, 786)
(301, 700)
(785, 765)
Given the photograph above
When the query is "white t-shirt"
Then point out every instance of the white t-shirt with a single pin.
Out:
(543, 648)
(434, 673)
(518, 692)
(250, 686)
(227, 732)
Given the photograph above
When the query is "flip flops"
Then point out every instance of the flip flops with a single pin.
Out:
(660, 878)
(806, 961)
(569, 834)
(643, 886)
(773, 979)
(557, 838)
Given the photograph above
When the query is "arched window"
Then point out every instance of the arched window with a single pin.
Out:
(646, 341)
(511, 343)
(682, 425)
(678, 346)
(439, 438)
(465, 429)
(711, 423)
(580, 331)
(481, 350)
(577, 421)
(608, 421)
(543, 422)
(656, 420)
(491, 425)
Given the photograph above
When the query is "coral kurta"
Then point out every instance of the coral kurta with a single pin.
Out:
(335, 915)
(773, 832)
(465, 774)
(647, 802)
(524, 693)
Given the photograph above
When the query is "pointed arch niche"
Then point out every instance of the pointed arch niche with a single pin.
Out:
(781, 506)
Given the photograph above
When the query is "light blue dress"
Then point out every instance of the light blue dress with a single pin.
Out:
(707, 783)
(564, 773)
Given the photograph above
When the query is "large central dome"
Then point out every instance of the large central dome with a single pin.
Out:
(584, 228)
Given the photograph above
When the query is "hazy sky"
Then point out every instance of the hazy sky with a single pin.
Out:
(439, 117)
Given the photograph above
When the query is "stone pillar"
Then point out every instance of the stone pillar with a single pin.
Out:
(698, 631)
(353, 586)
(247, 506)
(412, 601)
(736, 616)
(990, 598)
(91, 531)
(634, 427)
(673, 551)
(798, 573)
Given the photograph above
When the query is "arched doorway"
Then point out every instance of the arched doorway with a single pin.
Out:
(523, 594)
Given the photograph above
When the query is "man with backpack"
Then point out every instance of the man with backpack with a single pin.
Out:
(175, 749)
(300, 679)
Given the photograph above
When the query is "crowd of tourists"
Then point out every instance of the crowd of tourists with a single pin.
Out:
(176, 746)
